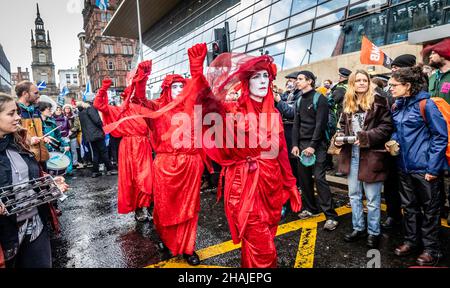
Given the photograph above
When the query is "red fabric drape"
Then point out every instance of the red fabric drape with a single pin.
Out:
(135, 153)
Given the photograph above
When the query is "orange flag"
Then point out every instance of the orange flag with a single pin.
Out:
(372, 55)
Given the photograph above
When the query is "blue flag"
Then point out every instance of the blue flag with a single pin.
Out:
(87, 92)
(61, 101)
(102, 4)
(41, 85)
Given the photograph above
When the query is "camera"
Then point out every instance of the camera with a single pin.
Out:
(346, 139)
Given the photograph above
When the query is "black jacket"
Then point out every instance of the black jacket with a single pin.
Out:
(91, 125)
(309, 124)
(338, 94)
(287, 111)
(8, 224)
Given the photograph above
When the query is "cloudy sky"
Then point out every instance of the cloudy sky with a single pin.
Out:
(61, 17)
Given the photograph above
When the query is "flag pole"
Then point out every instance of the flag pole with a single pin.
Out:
(141, 52)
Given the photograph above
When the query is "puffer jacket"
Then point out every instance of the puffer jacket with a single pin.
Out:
(422, 144)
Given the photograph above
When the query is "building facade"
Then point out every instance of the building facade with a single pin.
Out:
(106, 56)
(42, 67)
(5, 73)
(82, 63)
(20, 76)
(297, 33)
(69, 78)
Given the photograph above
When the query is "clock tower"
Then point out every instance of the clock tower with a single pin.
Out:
(42, 65)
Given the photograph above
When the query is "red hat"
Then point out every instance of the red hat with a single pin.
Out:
(442, 48)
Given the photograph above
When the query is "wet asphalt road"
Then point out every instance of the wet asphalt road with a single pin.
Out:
(94, 235)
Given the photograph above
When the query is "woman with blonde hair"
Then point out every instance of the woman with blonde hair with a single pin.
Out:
(367, 120)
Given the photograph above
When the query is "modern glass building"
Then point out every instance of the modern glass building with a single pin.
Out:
(5, 73)
(294, 32)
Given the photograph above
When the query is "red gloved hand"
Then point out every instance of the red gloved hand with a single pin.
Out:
(295, 199)
(197, 55)
(143, 71)
(106, 83)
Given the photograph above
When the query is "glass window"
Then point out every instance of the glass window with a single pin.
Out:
(239, 50)
(300, 5)
(327, 43)
(299, 29)
(373, 26)
(245, 13)
(413, 16)
(275, 38)
(296, 49)
(42, 58)
(366, 6)
(258, 35)
(330, 6)
(260, 19)
(261, 4)
(276, 48)
(246, 3)
(278, 60)
(332, 18)
(302, 17)
(232, 23)
(255, 45)
(278, 27)
(280, 10)
(243, 26)
(240, 41)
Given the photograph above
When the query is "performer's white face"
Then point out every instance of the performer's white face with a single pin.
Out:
(259, 84)
(176, 87)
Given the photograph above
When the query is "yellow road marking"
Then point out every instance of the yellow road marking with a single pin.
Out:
(305, 252)
(306, 248)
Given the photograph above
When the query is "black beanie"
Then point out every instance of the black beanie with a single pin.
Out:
(405, 60)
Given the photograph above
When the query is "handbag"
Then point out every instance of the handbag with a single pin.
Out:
(333, 149)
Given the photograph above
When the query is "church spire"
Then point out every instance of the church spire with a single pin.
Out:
(38, 14)
(32, 37)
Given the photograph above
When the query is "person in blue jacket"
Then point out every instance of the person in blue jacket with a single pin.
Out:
(421, 162)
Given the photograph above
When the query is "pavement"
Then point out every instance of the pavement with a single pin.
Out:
(94, 235)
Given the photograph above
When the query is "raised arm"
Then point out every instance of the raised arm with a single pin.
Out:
(101, 100)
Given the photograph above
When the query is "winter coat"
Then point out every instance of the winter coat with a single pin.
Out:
(64, 124)
(91, 124)
(376, 132)
(32, 122)
(49, 125)
(287, 111)
(9, 237)
(439, 85)
(422, 145)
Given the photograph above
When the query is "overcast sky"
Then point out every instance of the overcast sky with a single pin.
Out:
(61, 17)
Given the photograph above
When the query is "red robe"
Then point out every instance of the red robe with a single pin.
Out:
(255, 188)
(135, 154)
(177, 172)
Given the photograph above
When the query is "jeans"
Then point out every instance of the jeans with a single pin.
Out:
(373, 195)
(73, 149)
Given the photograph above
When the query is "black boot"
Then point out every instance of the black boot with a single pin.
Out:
(193, 259)
(355, 236)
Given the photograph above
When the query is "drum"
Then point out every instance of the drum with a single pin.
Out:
(58, 163)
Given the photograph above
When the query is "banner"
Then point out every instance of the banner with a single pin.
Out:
(372, 55)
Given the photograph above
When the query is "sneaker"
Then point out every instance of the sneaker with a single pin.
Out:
(79, 166)
(330, 225)
(193, 259)
(305, 214)
(111, 172)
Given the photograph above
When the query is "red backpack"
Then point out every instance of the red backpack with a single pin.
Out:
(444, 108)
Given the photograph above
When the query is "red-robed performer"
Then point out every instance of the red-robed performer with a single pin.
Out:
(177, 171)
(258, 181)
(135, 152)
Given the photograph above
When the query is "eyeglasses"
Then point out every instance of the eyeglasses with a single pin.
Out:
(394, 85)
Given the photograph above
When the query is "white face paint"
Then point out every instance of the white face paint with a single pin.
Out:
(176, 88)
(259, 84)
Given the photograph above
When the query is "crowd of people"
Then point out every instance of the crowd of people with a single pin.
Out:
(385, 133)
